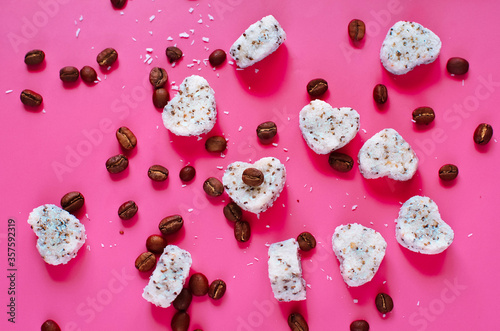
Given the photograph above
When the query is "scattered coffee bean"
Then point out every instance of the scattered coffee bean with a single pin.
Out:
(158, 77)
(242, 231)
(107, 57)
(173, 54)
(359, 325)
(384, 303)
(118, 4)
(117, 163)
(145, 262)
(423, 115)
(69, 74)
(252, 177)
(216, 144)
(198, 284)
(448, 172)
(187, 173)
(483, 134)
(217, 289)
(155, 244)
(126, 138)
(356, 29)
(306, 241)
(297, 322)
(233, 212)
(266, 132)
(72, 202)
(160, 97)
(213, 187)
(380, 94)
(457, 66)
(340, 161)
(217, 57)
(88, 74)
(183, 299)
(127, 210)
(317, 87)
(34, 57)
(50, 325)
(180, 321)
(31, 98)
(158, 173)
(171, 224)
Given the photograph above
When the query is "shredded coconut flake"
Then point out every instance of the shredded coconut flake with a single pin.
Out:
(152, 18)
(77, 32)
(184, 35)
(205, 39)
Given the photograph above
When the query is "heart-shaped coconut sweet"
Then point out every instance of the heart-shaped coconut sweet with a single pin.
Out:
(192, 111)
(325, 128)
(255, 199)
(420, 228)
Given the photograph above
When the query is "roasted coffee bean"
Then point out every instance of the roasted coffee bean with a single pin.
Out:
(423, 115)
(187, 173)
(145, 262)
(183, 299)
(107, 57)
(72, 202)
(50, 325)
(198, 284)
(242, 231)
(69, 74)
(217, 289)
(158, 77)
(31, 98)
(216, 144)
(171, 224)
(384, 303)
(180, 321)
(457, 66)
(306, 241)
(483, 134)
(297, 322)
(117, 163)
(173, 54)
(266, 132)
(34, 57)
(88, 74)
(359, 325)
(233, 212)
(317, 87)
(126, 138)
(118, 4)
(158, 173)
(252, 177)
(448, 172)
(127, 210)
(380, 94)
(155, 244)
(160, 97)
(340, 161)
(356, 30)
(217, 57)
(213, 187)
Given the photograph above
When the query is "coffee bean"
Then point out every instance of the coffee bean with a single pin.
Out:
(173, 54)
(216, 144)
(180, 321)
(117, 163)
(118, 4)
(252, 177)
(126, 138)
(317, 87)
(171, 224)
(183, 299)
(423, 115)
(233, 212)
(88, 74)
(483, 134)
(155, 244)
(69, 74)
(145, 262)
(213, 187)
(297, 322)
(107, 57)
(384, 303)
(217, 57)
(50, 325)
(266, 132)
(306, 241)
(340, 161)
(242, 231)
(187, 173)
(380, 94)
(158, 77)
(457, 66)
(158, 173)
(217, 289)
(198, 284)
(127, 210)
(160, 97)
(72, 202)
(34, 57)
(356, 30)
(359, 325)
(31, 98)
(448, 172)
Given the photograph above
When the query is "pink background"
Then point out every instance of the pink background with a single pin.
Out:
(101, 289)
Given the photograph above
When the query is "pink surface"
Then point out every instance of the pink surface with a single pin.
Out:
(47, 153)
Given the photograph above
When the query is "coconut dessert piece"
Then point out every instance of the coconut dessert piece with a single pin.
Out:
(169, 276)
(60, 234)
(408, 45)
(387, 154)
(192, 111)
(285, 271)
(255, 199)
(257, 42)
(420, 227)
(325, 128)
